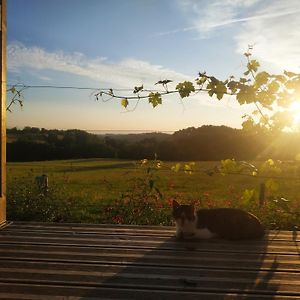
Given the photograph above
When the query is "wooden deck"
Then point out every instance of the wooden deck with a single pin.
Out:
(79, 261)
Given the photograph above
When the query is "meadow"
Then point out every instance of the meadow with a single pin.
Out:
(123, 191)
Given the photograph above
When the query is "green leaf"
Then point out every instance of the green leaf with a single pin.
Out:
(272, 185)
(220, 90)
(185, 88)
(155, 99)
(137, 89)
(248, 196)
(201, 80)
(273, 87)
(176, 168)
(13, 89)
(248, 125)
(164, 82)
(124, 102)
(246, 95)
(229, 166)
(210, 93)
(280, 78)
(289, 74)
(188, 168)
(253, 65)
(233, 86)
(261, 78)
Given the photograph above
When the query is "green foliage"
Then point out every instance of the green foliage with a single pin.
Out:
(138, 89)
(216, 87)
(27, 203)
(252, 66)
(155, 99)
(163, 82)
(249, 198)
(270, 93)
(185, 88)
(272, 185)
(124, 102)
(16, 97)
(261, 78)
(101, 191)
(246, 94)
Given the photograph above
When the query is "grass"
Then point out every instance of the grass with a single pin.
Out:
(121, 191)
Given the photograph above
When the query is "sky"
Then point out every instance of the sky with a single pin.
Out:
(120, 44)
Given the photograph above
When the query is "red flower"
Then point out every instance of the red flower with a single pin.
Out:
(117, 219)
(170, 201)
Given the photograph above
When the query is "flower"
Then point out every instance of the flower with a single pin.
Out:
(117, 219)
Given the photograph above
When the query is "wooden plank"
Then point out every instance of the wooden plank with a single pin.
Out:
(97, 261)
(162, 261)
(158, 253)
(125, 229)
(151, 243)
(199, 285)
(83, 269)
(79, 292)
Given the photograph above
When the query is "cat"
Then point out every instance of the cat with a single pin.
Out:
(225, 223)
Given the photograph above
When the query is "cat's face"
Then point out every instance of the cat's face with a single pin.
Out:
(183, 213)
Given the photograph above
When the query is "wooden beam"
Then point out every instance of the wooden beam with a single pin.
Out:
(3, 113)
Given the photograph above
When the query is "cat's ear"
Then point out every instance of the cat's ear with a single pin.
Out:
(175, 204)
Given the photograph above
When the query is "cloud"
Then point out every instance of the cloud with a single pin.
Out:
(126, 73)
(207, 16)
(272, 26)
(276, 40)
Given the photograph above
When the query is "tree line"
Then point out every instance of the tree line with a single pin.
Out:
(191, 144)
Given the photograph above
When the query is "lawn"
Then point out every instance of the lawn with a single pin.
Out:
(95, 187)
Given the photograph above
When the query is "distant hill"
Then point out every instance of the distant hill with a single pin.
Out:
(203, 143)
(137, 137)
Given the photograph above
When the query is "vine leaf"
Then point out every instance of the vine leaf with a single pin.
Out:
(253, 65)
(261, 78)
(137, 89)
(155, 99)
(164, 82)
(217, 87)
(124, 102)
(246, 94)
(185, 88)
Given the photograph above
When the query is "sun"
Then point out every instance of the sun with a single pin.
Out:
(295, 109)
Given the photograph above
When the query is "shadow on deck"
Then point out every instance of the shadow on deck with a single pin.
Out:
(78, 261)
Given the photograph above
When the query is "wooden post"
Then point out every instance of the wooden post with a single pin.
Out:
(3, 113)
(262, 195)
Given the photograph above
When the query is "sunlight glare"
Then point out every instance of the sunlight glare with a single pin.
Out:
(295, 109)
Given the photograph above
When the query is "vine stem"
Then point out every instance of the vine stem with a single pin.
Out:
(255, 102)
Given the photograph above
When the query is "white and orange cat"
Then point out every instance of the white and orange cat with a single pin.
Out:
(226, 223)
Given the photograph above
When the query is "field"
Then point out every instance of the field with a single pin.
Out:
(90, 185)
